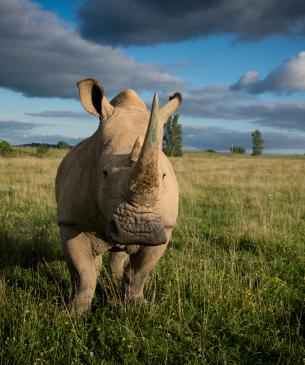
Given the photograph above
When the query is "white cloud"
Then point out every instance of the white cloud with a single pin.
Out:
(55, 114)
(41, 55)
(246, 80)
(286, 78)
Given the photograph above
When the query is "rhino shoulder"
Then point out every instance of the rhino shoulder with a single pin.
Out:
(76, 185)
(169, 193)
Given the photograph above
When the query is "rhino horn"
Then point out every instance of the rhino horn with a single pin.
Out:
(136, 149)
(144, 179)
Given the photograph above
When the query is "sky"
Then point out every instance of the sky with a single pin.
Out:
(239, 64)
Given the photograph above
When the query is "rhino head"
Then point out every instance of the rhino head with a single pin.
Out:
(136, 189)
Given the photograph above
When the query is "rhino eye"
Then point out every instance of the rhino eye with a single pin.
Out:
(163, 176)
(105, 173)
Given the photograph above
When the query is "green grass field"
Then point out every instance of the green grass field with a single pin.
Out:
(229, 290)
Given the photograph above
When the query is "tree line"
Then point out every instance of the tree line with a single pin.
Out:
(7, 150)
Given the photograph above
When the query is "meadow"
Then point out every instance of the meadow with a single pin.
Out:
(230, 289)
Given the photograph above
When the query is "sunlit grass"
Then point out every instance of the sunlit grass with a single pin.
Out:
(230, 288)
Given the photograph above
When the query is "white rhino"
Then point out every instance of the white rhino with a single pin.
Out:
(116, 191)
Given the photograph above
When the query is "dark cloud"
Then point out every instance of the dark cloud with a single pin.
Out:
(22, 132)
(52, 139)
(144, 22)
(211, 99)
(224, 104)
(10, 129)
(220, 139)
(42, 55)
(288, 116)
(60, 114)
(287, 78)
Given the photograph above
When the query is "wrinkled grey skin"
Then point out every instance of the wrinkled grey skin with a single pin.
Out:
(116, 191)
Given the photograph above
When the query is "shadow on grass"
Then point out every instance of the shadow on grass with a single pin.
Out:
(243, 243)
(28, 252)
(37, 266)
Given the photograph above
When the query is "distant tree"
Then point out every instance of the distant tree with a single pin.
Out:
(63, 145)
(42, 150)
(5, 149)
(236, 149)
(210, 150)
(172, 140)
(257, 143)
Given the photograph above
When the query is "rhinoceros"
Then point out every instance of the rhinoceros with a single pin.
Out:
(116, 191)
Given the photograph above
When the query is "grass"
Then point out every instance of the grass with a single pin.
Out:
(229, 290)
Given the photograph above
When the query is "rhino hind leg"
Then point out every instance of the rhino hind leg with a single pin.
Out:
(83, 266)
(117, 262)
(140, 265)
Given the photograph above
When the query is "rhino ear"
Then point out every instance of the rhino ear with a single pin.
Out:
(92, 98)
(169, 108)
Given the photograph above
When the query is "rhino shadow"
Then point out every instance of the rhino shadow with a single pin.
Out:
(42, 260)
(27, 252)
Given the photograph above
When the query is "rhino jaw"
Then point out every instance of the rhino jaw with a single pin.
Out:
(118, 234)
(134, 223)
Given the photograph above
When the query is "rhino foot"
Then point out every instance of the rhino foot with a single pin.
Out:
(135, 300)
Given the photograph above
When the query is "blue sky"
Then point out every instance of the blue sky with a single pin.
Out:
(235, 74)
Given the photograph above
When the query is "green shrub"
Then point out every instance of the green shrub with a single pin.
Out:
(42, 150)
(5, 149)
(63, 145)
(236, 149)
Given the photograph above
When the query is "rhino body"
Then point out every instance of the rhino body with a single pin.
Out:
(116, 191)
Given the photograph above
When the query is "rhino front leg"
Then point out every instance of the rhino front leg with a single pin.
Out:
(83, 265)
(117, 261)
(140, 265)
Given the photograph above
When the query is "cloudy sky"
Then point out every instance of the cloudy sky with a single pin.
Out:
(240, 65)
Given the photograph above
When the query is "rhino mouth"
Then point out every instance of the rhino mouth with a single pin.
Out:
(129, 226)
